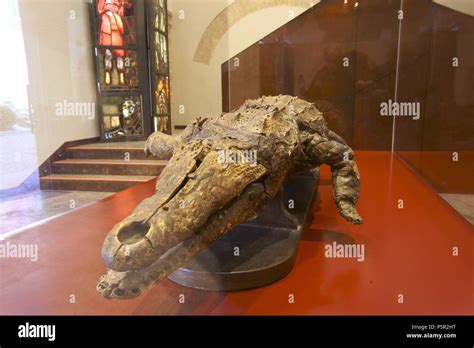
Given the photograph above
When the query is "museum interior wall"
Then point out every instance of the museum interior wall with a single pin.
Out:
(58, 53)
(202, 37)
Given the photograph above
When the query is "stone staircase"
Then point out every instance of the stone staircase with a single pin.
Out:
(108, 167)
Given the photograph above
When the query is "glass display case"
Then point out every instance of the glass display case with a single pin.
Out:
(335, 137)
(387, 76)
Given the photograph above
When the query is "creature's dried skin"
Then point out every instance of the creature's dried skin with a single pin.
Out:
(201, 194)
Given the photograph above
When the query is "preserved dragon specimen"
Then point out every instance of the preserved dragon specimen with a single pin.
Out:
(221, 172)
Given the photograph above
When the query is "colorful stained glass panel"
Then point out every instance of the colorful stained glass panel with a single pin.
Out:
(160, 15)
(116, 23)
(162, 95)
(161, 124)
(161, 52)
(117, 72)
(122, 115)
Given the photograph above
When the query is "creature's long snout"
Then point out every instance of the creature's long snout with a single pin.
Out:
(128, 247)
(181, 206)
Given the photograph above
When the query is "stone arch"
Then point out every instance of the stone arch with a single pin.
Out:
(231, 15)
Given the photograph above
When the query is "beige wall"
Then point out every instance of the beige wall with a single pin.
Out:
(59, 60)
(193, 85)
(197, 86)
(464, 6)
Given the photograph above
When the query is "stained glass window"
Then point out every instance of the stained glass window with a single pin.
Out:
(161, 124)
(162, 95)
(121, 72)
(161, 52)
(121, 83)
(160, 65)
(160, 15)
(122, 115)
(116, 23)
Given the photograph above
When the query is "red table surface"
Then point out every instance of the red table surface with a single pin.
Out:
(408, 251)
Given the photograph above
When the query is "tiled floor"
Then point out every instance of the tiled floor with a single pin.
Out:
(24, 209)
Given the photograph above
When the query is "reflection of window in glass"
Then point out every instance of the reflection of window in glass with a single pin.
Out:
(13, 68)
(161, 52)
(18, 157)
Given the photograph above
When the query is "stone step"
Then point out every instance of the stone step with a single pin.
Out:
(83, 182)
(108, 166)
(123, 151)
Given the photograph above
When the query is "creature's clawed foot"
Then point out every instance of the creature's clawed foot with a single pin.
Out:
(349, 212)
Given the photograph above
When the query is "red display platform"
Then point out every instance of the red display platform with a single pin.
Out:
(408, 252)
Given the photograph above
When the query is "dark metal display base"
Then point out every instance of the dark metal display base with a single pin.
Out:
(259, 251)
